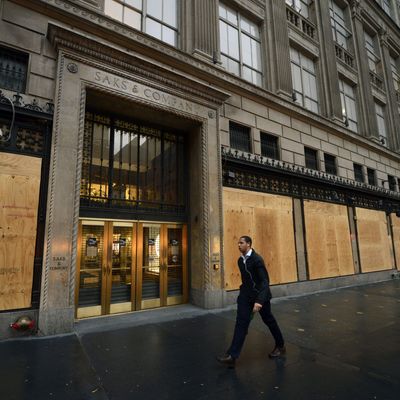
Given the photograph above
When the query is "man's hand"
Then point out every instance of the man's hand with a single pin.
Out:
(257, 307)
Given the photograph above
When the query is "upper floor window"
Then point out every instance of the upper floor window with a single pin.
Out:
(348, 99)
(358, 173)
(239, 137)
(330, 164)
(371, 175)
(341, 33)
(240, 45)
(311, 158)
(380, 119)
(269, 146)
(387, 6)
(392, 183)
(158, 18)
(13, 70)
(395, 72)
(304, 80)
(372, 53)
(301, 6)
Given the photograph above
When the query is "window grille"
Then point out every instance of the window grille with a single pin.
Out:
(330, 164)
(358, 173)
(311, 158)
(392, 183)
(371, 176)
(269, 146)
(239, 137)
(13, 70)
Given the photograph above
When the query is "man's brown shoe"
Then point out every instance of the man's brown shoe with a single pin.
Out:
(227, 360)
(277, 352)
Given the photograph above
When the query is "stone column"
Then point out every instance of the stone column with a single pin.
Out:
(328, 64)
(393, 120)
(280, 75)
(366, 107)
(56, 312)
(205, 29)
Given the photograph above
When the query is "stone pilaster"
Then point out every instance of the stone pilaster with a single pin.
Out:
(333, 107)
(280, 74)
(366, 106)
(393, 117)
(204, 21)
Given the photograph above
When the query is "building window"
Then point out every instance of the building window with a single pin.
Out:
(392, 183)
(340, 32)
(13, 70)
(372, 53)
(301, 6)
(330, 164)
(371, 174)
(304, 80)
(380, 119)
(158, 18)
(240, 45)
(387, 6)
(269, 146)
(311, 158)
(239, 137)
(133, 166)
(395, 72)
(348, 100)
(358, 173)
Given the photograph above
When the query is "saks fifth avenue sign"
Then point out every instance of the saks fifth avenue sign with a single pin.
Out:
(142, 91)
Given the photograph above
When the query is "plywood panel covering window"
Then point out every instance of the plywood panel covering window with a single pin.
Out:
(328, 240)
(268, 219)
(19, 197)
(373, 240)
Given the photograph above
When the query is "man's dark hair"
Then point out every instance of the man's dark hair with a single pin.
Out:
(247, 239)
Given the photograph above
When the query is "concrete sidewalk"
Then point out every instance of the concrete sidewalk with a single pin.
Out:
(343, 344)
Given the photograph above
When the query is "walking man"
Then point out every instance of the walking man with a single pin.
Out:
(254, 296)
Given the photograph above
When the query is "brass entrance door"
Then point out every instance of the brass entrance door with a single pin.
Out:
(107, 254)
(162, 265)
(127, 266)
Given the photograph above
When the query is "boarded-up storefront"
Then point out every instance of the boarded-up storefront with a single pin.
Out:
(19, 197)
(328, 240)
(373, 240)
(268, 219)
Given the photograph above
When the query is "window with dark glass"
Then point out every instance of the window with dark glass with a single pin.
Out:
(330, 164)
(269, 146)
(371, 174)
(239, 137)
(311, 158)
(358, 173)
(13, 69)
(127, 164)
(392, 183)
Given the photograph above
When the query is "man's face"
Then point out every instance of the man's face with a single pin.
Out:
(244, 247)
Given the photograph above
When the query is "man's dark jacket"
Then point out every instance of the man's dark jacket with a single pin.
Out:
(255, 279)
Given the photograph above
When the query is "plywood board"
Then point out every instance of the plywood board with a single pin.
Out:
(328, 241)
(19, 197)
(268, 219)
(396, 237)
(373, 240)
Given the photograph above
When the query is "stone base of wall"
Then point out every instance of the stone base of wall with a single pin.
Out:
(320, 285)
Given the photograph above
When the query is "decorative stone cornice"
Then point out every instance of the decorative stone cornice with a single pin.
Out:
(355, 6)
(87, 47)
(26, 103)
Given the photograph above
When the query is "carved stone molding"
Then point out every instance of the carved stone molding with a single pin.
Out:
(25, 102)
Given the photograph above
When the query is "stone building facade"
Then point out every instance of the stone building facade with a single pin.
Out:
(140, 139)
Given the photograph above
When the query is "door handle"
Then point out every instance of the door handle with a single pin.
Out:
(104, 270)
(108, 269)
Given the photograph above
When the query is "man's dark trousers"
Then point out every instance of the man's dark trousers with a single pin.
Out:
(245, 306)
